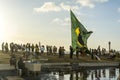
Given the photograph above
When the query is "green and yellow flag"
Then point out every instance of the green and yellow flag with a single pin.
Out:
(79, 34)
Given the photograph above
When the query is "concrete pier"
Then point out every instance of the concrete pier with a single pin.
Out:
(104, 64)
(74, 66)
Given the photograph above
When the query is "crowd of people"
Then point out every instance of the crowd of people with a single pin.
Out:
(38, 49)
(94, 53)
(28, 47)
(35, 49)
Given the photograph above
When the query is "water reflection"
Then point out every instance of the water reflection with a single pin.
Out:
(103, 73)
(71, 75)
(97, 74)
(112, 73)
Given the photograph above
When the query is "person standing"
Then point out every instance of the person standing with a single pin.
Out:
(77, 52)
(11, 47)
(32, 48)
(13, 60)
(54, 50)
(3, 47)
(21, 66)
(6, 47)
(36, 51)
(60, 50)
(71, 52)
(42, 49)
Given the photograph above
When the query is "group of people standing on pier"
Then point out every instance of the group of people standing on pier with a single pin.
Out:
(94, 53)
(38, 49)
(35, 49)
(28, 47)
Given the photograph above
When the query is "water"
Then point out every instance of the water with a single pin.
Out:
(96, 74)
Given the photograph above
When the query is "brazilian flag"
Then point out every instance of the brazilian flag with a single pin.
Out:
(79, 34)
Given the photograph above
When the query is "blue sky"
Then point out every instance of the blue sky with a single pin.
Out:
(48, 21)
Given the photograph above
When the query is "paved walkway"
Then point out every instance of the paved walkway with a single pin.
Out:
(6, 67)
(14, 78)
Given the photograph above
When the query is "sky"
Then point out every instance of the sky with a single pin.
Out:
(48, 21)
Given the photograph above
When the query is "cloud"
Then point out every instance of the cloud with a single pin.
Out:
(86, 3)
(63, 22)
(68, 7)
(118, 9)
(57, 20)
(51, 6)
(101, 1)
(48, 6)
(119, 20)
(90, 3)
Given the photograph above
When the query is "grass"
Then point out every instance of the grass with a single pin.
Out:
(5, 57)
